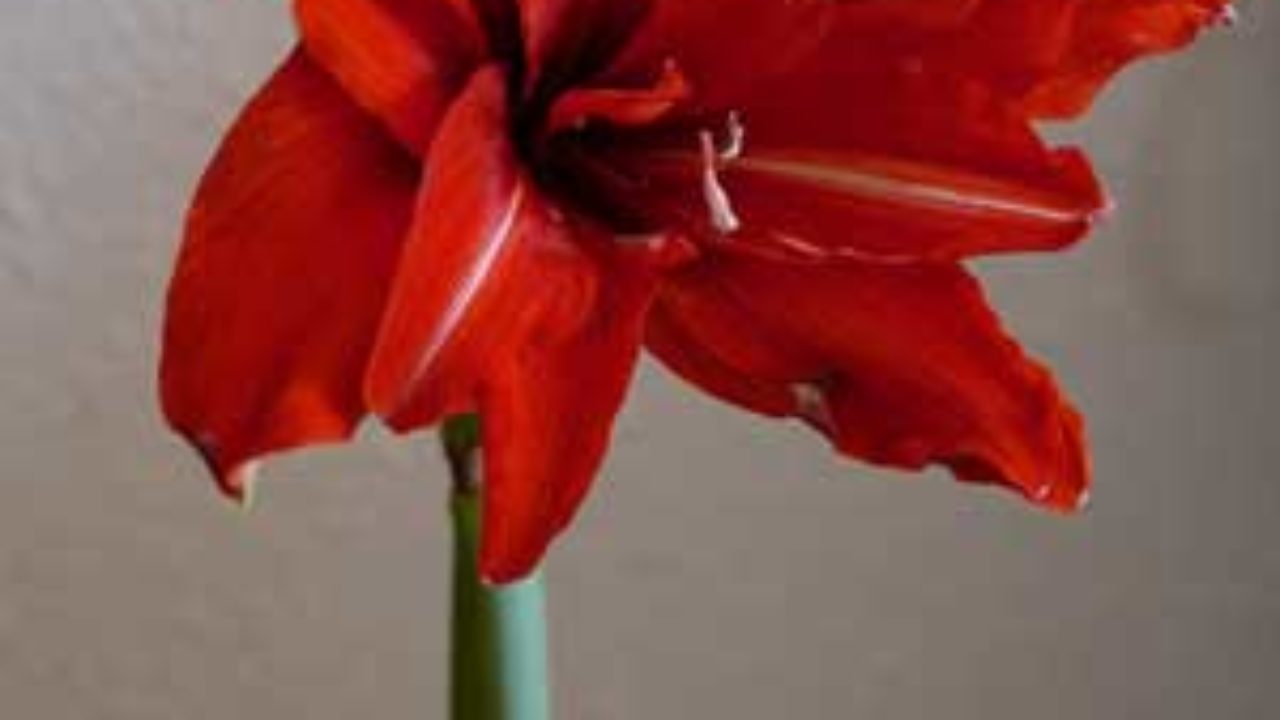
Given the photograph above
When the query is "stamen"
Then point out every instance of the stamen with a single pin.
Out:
(719, 207)
(735, 137)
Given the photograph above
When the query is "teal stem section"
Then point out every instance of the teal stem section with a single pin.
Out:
(498, 645)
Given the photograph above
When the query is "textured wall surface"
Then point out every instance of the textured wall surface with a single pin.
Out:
(726, 567)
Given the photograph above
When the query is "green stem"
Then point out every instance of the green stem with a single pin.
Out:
(499, 641)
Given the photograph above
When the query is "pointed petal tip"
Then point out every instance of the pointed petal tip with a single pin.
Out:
(1084, 501)
(1067, 489)
(1105, 211)
(271, 309)
(1058, 498)
(240, 485)
(235, 479)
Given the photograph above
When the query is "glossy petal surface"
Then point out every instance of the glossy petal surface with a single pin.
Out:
(460, 249)
(505, 306)
(904, 166)
(290, 247)
(902, 366)
(553, 385)
(402, 60)
(1105, 36)
(729, 46)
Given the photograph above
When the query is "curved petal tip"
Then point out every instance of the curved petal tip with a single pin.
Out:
(235, 479)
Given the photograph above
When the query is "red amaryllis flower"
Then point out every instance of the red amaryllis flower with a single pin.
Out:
(444, 206)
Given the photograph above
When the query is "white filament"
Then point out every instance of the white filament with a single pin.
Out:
(719, 207)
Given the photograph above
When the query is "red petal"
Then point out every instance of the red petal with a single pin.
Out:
(402, 60)
(500, 20)
(900, 365)
(461, 243)
(578, 107)
(814, 206)
(687, 332)
(289, 249)
(501, 307)
(1106, 36)
(1054, 55)
(566, 40)
(903, 166)
(1051, 56)
(1009, 43)
(554, 380)
(880, 130)
(728, 46)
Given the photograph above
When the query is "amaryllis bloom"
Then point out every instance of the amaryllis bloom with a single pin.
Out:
(447, 206)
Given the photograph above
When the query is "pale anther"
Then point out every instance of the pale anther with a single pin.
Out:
(719, 208)
(735, 137)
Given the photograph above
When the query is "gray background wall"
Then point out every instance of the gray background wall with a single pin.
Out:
(726, 567)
